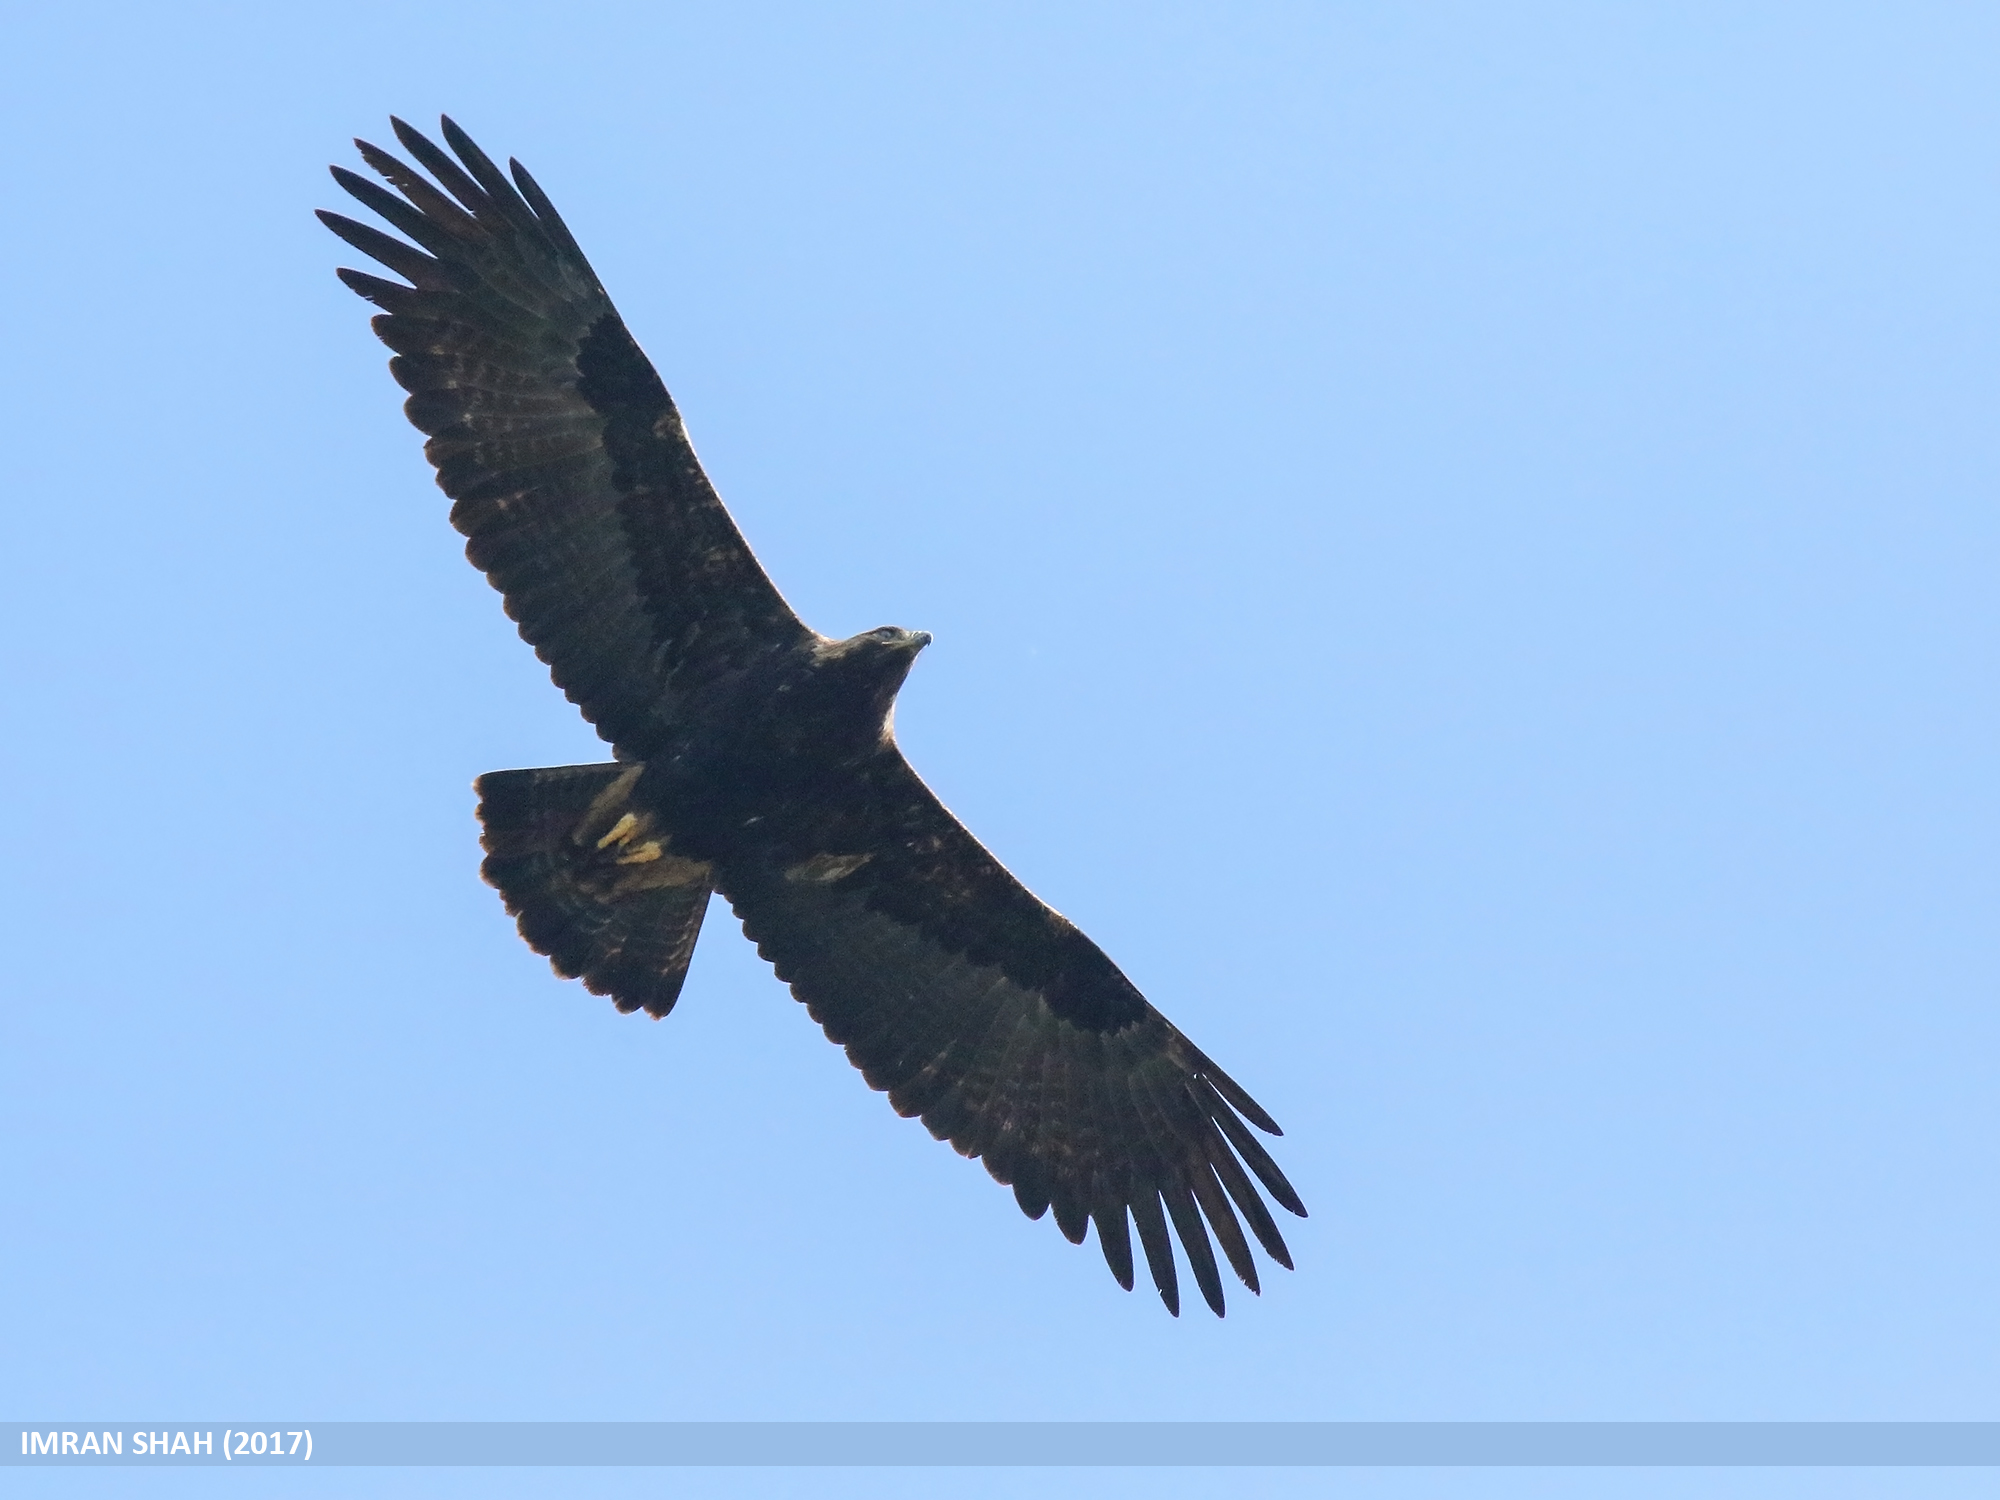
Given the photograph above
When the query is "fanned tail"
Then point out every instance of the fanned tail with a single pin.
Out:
(592, 884)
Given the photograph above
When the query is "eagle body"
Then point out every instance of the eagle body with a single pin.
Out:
(755, 758)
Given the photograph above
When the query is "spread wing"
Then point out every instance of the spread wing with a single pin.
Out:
(1009, 1032)
(575, 485)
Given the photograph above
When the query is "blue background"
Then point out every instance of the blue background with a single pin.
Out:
(1461, 542)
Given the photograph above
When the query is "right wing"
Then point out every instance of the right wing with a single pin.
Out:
(575, 485)
(1009, 1032)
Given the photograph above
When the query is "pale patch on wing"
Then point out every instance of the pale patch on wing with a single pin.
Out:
(824, 869)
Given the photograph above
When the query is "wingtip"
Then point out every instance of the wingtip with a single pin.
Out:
(375, 156)
(412, 138)
(348, 229)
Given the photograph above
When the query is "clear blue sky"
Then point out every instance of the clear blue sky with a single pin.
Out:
(1462, 546)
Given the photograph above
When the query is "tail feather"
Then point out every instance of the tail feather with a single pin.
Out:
(591, 883)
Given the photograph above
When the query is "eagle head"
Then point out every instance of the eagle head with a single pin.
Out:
(869, 669)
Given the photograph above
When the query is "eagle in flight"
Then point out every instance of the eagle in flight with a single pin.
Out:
(754, 756)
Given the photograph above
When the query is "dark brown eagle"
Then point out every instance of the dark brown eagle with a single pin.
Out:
(754, 756)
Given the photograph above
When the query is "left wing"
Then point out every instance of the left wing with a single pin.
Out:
(1010, 1033)
(575, 486)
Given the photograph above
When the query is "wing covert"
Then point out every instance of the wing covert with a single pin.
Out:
(573, 480)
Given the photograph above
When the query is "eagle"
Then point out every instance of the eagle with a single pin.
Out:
(755, 757)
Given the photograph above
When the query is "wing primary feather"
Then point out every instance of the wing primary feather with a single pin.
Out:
(1215, 1207)
(465, 236)
(1194, 1240)
(545, 211)
(417, 226)
(1114, 1238)
(1172, 1143)
(391, 296)
(1256, 1157)
(415, 187)
(451, 177)
(489, 177)
(412, 265)
(1200, 1063)
(1152, 1226)
(1151, 1151)
(1102, 1162)
(1237, 1181)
